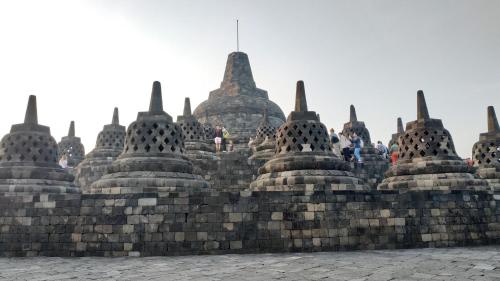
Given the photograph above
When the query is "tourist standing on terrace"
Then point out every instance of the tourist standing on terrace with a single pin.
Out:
(394, 153)
(218, 138)
(382, 149)
(357, 142)
(335, 142)
(345, 146)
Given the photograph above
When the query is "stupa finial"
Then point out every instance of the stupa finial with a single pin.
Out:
(71, 132)
(352, 114)
(400, 126)
(300, 97)
(422, 112)
(31, 116)
(115, 120)
(156, 104)
(187, 107)
(492, 120)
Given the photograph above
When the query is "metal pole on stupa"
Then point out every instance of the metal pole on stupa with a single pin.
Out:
(109, 145)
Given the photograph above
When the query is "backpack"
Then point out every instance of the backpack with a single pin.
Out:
(335, 139)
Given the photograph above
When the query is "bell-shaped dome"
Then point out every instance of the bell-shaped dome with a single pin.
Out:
(72, 147)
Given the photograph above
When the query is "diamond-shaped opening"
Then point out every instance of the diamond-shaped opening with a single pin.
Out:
(135, 148)
(288, 148)
(294, 140)
(138, 132)
(322, 147)
(316, 139)
(289, 133)
(314, 125)
(427, 145)
(488, 161)
(161, 148)
(161, 132)
(304, 126)
(299, 132)
(155, 125)
(305, 140)
(411, 140)
(172, 148)
(295, 127)
(176, 141)
(426, 132)
(143, 139)
(448, 145)
(445, 151)
(147, 147)
(310, 132)
(154, 139)
(34, 158)
(172, 133)
(411, 155)
(422, 153)
(312, 147)
(416, 146)
(300, 147)
(22, 157)
(401, 154)
(406, 148)
(150, 132)
(407, 136)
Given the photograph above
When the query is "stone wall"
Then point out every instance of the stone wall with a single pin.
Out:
(243, 222)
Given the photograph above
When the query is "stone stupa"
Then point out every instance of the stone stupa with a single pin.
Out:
(427, 159)
(264, 142)
(29, 159)
(400, 130)
(237, 104)
(486, 152)
(303, 157)
(108, 147)
(195, 142)
(374, 165)
(72, 147)
(153, 159)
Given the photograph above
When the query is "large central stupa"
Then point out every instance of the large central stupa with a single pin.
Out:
(238, 103)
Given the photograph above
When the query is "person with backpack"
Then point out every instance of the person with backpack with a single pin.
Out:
(382, 149)
(225, 139)
(334, 139)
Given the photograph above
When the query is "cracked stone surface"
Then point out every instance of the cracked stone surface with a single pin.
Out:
(474, 263)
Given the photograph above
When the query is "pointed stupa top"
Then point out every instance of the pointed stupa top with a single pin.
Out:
(300, 97)
(187, 107)
(115, 120)
(238, 71)
(31, 116)
(71, 131)
(352, 114)
(156, 103)
(492, 120)
(301, 111)
(422, 112)
(401, 129)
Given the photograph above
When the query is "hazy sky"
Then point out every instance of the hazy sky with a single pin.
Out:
(82, 58)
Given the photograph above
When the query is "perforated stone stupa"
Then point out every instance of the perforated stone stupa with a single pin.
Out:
(427, 158)
(486, 152)
(153, 159)
(72, 147)
(374, 165)
(303, 157)
(108, 147)
(238, 103)
(29, 159)
(264, 142)
(400, 130)
(195, 142)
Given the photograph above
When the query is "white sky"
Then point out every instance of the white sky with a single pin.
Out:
(82, 58)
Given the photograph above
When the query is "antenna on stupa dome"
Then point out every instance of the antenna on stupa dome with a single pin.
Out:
(237, 35)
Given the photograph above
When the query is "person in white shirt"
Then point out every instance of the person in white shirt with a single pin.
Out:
(345, 145)
(63, 162)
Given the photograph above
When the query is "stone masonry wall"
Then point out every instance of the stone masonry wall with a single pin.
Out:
(243, 222)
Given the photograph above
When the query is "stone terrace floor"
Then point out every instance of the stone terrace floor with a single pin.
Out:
(475, 263)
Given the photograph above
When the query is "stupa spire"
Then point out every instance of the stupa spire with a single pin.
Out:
(400, 126)
(71, 132)
(300, 97)
(31, 116)
(115, 120)
(187, 107)
(156, 104)
(422, 112)
(492, 120)
(352, 114)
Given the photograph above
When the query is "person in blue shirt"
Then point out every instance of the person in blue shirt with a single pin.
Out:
(357, 143)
